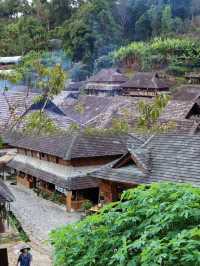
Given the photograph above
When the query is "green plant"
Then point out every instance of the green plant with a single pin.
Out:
(80, 108)
(56, 197)
(87, 205)
(154, 225)
(44, 194)
(149, 115)
(16, 224)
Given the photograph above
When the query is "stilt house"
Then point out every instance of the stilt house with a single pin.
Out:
(61, 164)
(144, 84)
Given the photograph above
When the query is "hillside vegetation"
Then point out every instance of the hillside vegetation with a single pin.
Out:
(92, 29)
(178, 54)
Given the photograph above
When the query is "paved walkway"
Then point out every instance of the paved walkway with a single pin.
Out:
(38, 218)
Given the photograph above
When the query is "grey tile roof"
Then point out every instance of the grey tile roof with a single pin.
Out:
(144, 80)
(108, 75)
(12, 106)
(128, 174)
(78, 146)
(75, 86)
(187, 93)
(99, 111)
(81, 181)
(5, 194)
(172, 158)
(176, 110)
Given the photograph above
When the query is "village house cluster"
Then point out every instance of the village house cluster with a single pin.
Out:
(81, 167)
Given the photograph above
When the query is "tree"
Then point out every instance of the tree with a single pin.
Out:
(149, 114)
(50, 81)
(166, 21)
(143, 29)
(90, 29)
(60, 10)
(154, 225)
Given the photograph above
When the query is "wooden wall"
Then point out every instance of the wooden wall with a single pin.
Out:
(24, 181)
(74, 162)
(111, 191)
(93, 161)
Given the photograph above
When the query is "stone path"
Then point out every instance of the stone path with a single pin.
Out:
(39, 258)
(38, 217)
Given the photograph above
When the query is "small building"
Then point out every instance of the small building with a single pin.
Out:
(187, 93)
(144, 84)
(6, 238)
(9, 61)
(75, 86)
(184, 114)
(163, 158)
(107, 82)
(193, 78)
(61, 164)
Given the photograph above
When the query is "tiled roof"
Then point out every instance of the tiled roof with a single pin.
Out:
(146, 80)
(77, 146)
(108, 75)
(12, 106)
(5, 194)
(67, 177)
(187, 93)
(75, 86)
(172, 157)
(176, 110)
(99, 111)
(128, 174)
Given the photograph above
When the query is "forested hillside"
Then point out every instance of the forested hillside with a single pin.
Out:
(93, 28)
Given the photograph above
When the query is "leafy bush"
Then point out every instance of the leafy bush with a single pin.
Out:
(177, 70)
(56, 197)
(87, 205)
(156, 225)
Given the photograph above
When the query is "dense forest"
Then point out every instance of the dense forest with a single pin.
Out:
(91, 29)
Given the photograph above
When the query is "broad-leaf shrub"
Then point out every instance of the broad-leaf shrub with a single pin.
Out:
(160, 51)
(151, 226)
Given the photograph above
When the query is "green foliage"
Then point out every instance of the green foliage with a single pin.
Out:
(16, 225)
(39, 123)
(87, 205)
(90, 29)
(156, 225)
(162, 51)
(166, 21)
(80, 108)
(149, 114)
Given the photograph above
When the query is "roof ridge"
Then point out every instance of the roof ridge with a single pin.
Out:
(147, 141)
(69, 150)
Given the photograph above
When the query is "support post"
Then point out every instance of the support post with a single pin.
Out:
(69, 201)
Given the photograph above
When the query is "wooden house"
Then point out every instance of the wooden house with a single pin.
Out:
(162, 158)
(107, 82)
(144, 84)
(193, 78)
(187, 93)
(62, 164)
(184, 114)
(6, 238)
